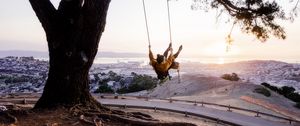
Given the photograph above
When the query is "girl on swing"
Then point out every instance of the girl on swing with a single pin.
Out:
(163, 63)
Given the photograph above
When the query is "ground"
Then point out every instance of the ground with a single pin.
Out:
(65, 117)
(192, 87)
(174, 117)
(21, 112)
(211, 89)
(55, 117)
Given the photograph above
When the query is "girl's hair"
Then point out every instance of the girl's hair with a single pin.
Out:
(160, 58)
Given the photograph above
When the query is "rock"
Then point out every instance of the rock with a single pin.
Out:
(2, 108)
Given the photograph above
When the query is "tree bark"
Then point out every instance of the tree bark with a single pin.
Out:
(73, 32)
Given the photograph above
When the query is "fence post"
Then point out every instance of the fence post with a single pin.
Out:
(229, 110)
(154, 108)
(116, 97)
(24, 101)
(185, 114)
(170, 100)
(257, 114)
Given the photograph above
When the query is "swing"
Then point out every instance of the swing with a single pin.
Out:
(175, 65)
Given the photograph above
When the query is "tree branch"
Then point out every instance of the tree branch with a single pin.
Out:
(45, 12)
(70, 8)
(96, 9)
(256, 17)
(94, 16)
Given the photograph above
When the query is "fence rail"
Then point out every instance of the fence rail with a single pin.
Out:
(228, 107)
(175, 111)
(236, 108)
(31, 100)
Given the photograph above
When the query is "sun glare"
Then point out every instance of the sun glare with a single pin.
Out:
(216, 49)
(219, 49)
(221, 61)
(219, 52)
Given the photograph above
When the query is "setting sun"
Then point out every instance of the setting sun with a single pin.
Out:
(221, 61)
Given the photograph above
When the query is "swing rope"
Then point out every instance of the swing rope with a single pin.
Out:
(170, 31)
(169, 19)
(145, 14)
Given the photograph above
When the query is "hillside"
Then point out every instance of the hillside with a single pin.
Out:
(256, 71)
(216, 90)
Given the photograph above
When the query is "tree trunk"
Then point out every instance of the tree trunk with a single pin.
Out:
(68, 82)
(73, 32)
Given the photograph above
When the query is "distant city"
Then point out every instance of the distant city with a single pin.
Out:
(28, 74)
(41, 54)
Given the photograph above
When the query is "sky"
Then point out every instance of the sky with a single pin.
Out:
(201, 35)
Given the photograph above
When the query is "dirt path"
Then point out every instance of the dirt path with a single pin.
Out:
(272, 107)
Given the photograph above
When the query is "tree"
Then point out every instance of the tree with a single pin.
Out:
(263, 91)
(257, 17)
(231, 77)
(73, 32)
(286, 90)
(74, 29)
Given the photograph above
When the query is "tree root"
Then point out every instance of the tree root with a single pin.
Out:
(83, 119)
(128, 118)
(89, 115)
(7, 118)
(96, 121)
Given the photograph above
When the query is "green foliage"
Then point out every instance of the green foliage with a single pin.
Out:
(16, 79)
(273, 88)
(257, 17)
(104, 88)
(139, 83)
(114, 76)
(288, 92)
(297, 105)
(263, 91)
(231, 77)
(226, 76)
(103, 81)
(294, 97)
(96, 77)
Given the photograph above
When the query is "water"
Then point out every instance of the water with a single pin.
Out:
(145, 60)
(186, 60)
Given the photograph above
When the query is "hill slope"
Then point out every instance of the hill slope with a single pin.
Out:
(217, 90)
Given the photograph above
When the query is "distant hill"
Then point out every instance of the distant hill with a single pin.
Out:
(41, 54)
(120, 55)
(19, 53)
(276, 73)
